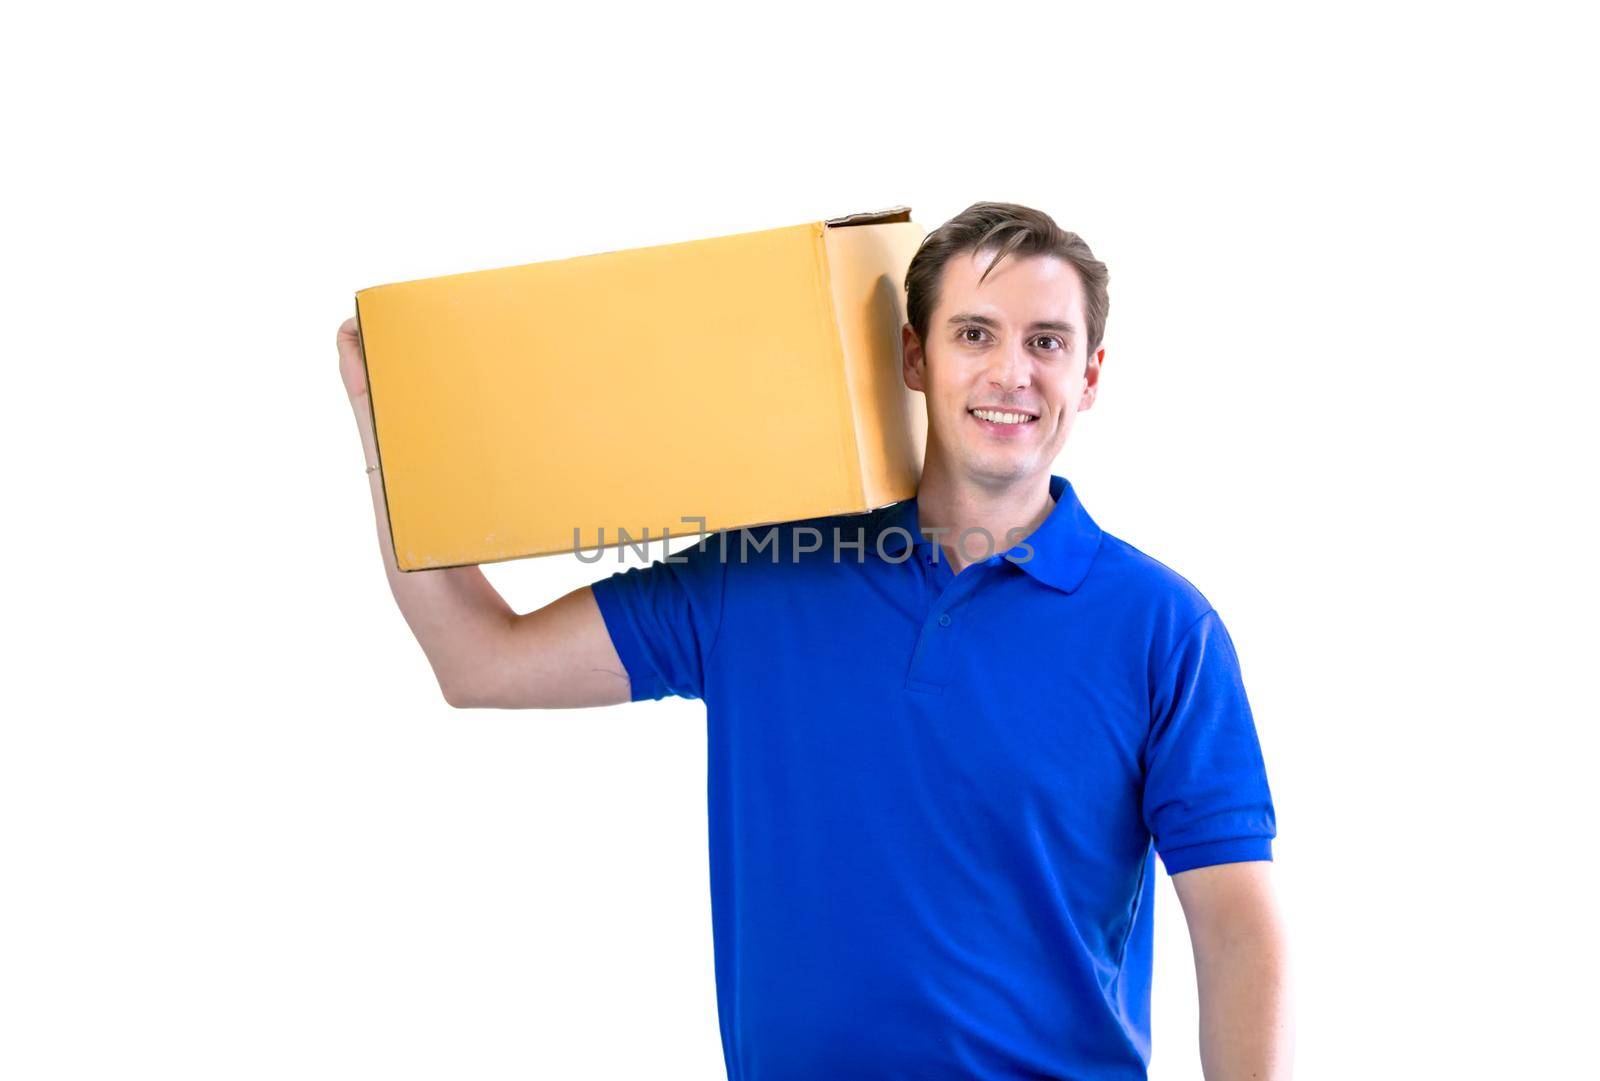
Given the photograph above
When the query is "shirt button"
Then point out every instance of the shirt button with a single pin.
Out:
(944, 619)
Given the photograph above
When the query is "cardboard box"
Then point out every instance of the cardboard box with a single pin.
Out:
(746, 379)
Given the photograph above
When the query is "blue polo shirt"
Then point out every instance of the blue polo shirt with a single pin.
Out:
(935, 799)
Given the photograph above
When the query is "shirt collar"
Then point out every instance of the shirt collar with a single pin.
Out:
(1063, 546)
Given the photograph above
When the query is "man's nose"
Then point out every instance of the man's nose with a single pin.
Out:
(1011, 367)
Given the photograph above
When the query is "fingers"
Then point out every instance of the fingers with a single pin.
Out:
(349, 335)
(352, 366)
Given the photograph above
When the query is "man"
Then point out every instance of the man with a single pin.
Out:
(946, 739)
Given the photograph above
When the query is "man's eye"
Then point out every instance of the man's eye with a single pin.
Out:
(1048, 338)
(971, 330)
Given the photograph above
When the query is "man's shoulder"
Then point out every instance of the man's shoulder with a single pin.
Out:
(1138, 577)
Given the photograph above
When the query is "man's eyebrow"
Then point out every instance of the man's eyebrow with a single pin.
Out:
(985, 321)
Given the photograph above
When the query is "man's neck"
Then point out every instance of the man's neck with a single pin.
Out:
(951, 504)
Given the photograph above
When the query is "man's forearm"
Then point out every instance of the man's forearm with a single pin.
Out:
(455, 614)
(1246, 1013)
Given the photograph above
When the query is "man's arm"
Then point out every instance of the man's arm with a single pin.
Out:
(1241, 967)
(483, 653)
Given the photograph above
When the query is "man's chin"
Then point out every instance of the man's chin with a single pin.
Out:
(997, 469)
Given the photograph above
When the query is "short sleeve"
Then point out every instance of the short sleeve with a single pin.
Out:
(664, 619)
(1206, 798)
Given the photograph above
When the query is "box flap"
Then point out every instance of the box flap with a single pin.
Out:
(872, 217)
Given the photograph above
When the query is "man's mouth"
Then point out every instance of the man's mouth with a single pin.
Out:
(1003, 416)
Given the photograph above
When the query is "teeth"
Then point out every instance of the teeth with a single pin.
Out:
(1001, 418)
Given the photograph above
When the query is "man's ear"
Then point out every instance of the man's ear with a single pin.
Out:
(1091, 379)
(912, 359)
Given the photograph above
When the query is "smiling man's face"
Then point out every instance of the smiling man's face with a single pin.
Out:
(1004, 368)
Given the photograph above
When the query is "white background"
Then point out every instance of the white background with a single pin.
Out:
(1349, 393)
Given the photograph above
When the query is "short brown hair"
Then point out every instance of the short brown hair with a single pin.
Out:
(1010, 228)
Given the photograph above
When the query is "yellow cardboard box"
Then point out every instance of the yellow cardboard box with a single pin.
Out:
(745, 379)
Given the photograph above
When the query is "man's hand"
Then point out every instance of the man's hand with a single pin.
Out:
(352, 365)
(1241, 966)
(483, 653)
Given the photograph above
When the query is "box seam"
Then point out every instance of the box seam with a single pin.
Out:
(852, 437)
(372, 413)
